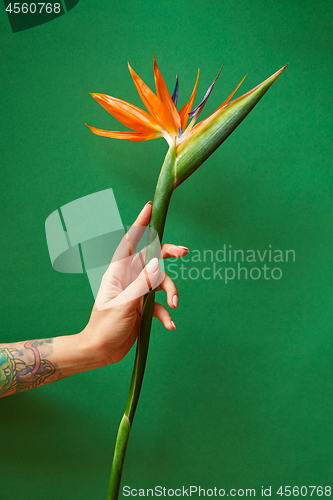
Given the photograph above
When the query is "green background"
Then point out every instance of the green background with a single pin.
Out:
(240, 395)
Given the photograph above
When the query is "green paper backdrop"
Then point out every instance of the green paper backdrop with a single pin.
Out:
(240, 394)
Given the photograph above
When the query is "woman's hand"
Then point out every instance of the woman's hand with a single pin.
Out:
(115, 320)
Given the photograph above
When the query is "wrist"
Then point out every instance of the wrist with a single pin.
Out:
(91, 353)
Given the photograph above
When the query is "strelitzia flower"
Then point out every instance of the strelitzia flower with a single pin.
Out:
(190, 144)
(163, 121)
(195, 141)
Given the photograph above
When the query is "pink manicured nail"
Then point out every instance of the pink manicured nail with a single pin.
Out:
(183, 248)
(153, 265)
(175, 300)
(173, 325)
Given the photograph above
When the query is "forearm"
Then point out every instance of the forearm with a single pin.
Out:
(24, 365)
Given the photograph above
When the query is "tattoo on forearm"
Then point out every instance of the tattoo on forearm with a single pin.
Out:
(23, 368)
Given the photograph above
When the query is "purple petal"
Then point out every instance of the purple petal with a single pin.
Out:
(175, 93)
(199, 108)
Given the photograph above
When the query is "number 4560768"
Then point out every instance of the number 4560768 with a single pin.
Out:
(304, 491)
(32, 8)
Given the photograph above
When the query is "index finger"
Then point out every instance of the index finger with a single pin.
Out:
(128, 244)
(144, 216)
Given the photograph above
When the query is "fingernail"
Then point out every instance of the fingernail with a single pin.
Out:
(183, 248)
(173, 325)
(153, 265)
(175, 300)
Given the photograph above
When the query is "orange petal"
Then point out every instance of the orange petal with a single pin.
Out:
(164, 96)
(127, 114)
(183, 113)
(232, 93)
(128, 136)
(154, 105)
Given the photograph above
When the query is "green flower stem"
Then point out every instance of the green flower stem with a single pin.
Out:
(119, 457)
(163, 193)
(191, 152)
